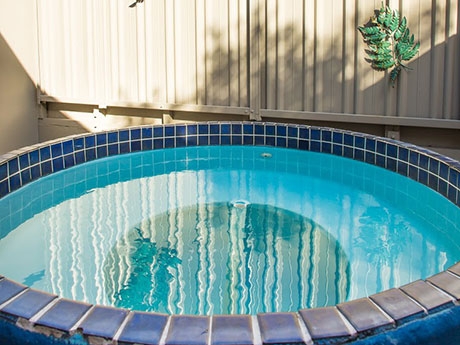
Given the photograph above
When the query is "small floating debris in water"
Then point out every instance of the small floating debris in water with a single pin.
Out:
(266, 155)
(240, 203)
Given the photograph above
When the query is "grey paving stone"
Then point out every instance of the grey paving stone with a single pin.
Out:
(428, 296)
(280, 328)
(232, 330)
(64, 314)
(447, 282)
(188, 330)
(325, 323)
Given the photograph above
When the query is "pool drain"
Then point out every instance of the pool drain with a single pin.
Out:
(266, 155)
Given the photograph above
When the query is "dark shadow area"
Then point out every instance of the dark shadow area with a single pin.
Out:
(18, 119)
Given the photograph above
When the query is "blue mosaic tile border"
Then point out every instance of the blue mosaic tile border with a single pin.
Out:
(438, 172)
(48, 314)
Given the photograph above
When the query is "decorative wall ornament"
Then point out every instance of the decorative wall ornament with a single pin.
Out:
(390, 43)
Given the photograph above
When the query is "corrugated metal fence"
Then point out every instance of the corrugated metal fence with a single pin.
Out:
(269, 58)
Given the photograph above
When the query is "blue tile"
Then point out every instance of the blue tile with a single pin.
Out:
(433, 181)
(248, 129)
(348, 152)
(123, 135)
(101, 139)
(64, 314)
(281, 142)
(181, 130)
(326, 135)
(58, 164)
(34, 157)
(24, 161)
(237, 140)
(259, 129)
(391, 164)
(113, 149)
(203, 129)
(279, 328)
(315, 134)
(232, 330)
(35, 172)
(444, 171)
(370, 157)
(28, 304)
(423, 177)
(9, 289)
(433, 165)
(337, 149)
(147, 133)
(135, 146)
(453, 176)
(103, 321)
(403, 154)
(56, 150)
(90, 154)
(259, 140)
(423, 162)
(193, 129)
(214, 140)
(3, 171)
(348, 139)
(144, 328)
(225, 128)
(293, 143)
(359, 155)
(281, 130)
(192, 140)
(202, 140)
(146, 145)
(67, 147)
(248, 140)
(101, 151)
(25, 176)
(158, 144)
(90, 141)
(158, 132)
(269, 130)
(381, 148)
(46, 168)
(112, 137)
(402, 168)
(170, 142)
(188, 330)
(78, 144)
(392, 151)
(370, 145)
(169, 131)
(237, 128)
(413, 157)
(69, 161)
(15, 182)
(380, 161)
(13, 166)
(135, 134)
(4, 189)
(442, 187)
(125, 147)
(359, 142)
(225, 140)
(182, 141)
(326, 147)
(293, 132)
(304, 133)
(337, 138)
(45, 153)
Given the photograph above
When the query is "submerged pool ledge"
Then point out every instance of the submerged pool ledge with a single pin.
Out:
(417, 311)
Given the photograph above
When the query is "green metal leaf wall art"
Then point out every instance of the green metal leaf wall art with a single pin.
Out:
(390, 43)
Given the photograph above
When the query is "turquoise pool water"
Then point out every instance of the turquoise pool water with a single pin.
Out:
(210, 230)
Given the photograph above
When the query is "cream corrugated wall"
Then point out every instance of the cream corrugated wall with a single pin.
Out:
(250, 56)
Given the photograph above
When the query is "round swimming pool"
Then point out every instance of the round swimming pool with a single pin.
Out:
(227, 218)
